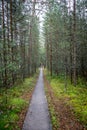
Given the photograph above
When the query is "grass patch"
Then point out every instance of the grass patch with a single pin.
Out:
(54, 121)
(77, 96)
(12, 103)
(17, 104)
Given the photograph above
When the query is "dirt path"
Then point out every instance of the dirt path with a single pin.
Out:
(37, 117)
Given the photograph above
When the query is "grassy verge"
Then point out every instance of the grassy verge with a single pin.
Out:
(75, 97)
(13, 102)
(54, 121)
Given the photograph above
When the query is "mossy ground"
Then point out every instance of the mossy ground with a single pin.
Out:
(74, 97)
(54, 121)
(13, 101)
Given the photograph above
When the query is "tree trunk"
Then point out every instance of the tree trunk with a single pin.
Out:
(4, 46)
(11, 33)
(50, 57)
(74, 42)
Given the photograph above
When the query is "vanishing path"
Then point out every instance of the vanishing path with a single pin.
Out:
(37, 117)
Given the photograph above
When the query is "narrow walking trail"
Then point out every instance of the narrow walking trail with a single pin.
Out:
(37, 117)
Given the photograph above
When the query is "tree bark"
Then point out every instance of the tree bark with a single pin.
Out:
(11, 33)
(4, 45)
(74, 42)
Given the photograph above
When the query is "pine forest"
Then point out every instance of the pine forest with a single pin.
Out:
(47, 37)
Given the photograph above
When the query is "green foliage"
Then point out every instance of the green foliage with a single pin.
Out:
(54, 120)
(53, 117)
(17, 104)
(77, 96)
(12, 103)
(8, 120)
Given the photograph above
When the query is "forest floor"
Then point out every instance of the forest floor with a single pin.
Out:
(14, 103)
(68, 109)
(62, 114)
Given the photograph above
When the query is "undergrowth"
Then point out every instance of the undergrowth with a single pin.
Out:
(77, 96)
(54, 121)
(12, 103)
